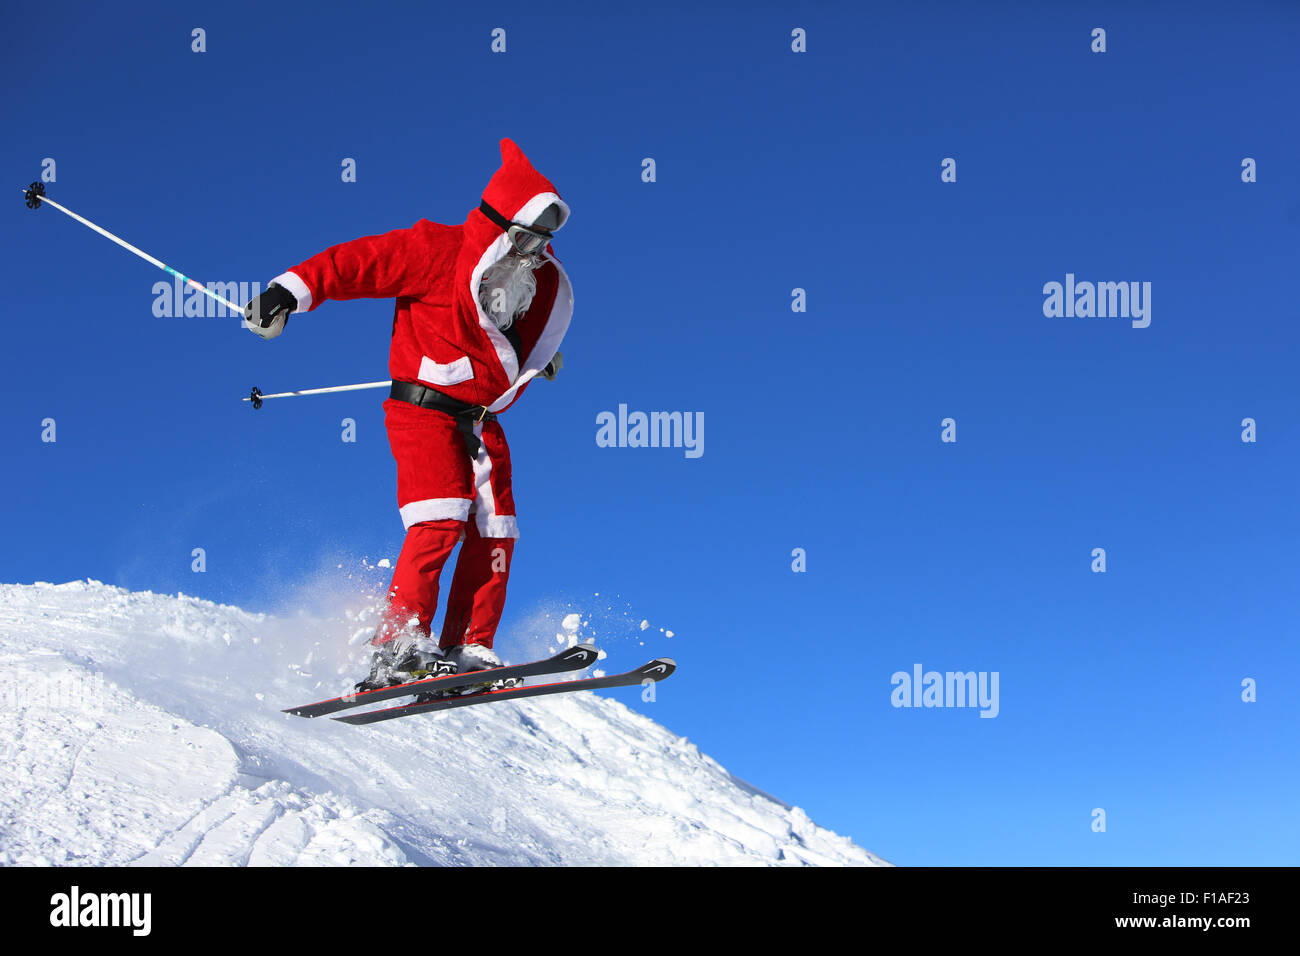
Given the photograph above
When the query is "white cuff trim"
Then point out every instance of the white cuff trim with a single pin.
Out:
(297, 287)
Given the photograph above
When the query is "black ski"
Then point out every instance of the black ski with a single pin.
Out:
(656, 670)
(573, 659)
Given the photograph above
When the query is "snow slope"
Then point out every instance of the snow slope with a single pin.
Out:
(144, 728)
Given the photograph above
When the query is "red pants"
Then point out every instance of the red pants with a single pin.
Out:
(443, 495)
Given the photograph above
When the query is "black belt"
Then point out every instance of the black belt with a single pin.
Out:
(465, 414)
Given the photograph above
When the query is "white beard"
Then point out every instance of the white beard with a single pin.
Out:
(506, 289)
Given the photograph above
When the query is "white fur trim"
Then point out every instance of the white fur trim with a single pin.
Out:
(557, 323)
(497, 526)
(297, 288)
(453, 373)
(530, 210)
(505, 351)
(435, 509)
(490, 524)
(548, 342)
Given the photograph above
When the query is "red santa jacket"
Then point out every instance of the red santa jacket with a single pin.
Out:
(441, 336)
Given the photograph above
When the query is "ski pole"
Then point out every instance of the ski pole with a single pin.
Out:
(35, 196)
(256, 395)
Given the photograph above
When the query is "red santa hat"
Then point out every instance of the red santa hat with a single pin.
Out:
(519, 192)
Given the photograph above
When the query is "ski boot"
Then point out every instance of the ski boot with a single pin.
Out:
(400, 661)
(466, 658)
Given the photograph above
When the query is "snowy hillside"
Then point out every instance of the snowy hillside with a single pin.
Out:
(142, 728)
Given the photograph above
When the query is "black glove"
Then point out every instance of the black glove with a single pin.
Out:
(268, 314)
(553, 367)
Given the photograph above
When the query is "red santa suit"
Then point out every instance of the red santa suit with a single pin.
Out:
(443, 339)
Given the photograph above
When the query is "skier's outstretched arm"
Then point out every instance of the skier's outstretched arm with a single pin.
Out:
(390, 265)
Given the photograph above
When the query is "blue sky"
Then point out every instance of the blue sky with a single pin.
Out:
(775, 171)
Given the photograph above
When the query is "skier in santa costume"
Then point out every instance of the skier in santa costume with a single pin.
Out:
(481, 310)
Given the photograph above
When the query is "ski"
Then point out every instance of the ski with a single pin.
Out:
(655, 670)
(572, 659)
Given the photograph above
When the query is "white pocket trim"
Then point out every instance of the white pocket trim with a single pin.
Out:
(453, 373)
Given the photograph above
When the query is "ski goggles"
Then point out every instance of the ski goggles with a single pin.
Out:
(528, 240)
